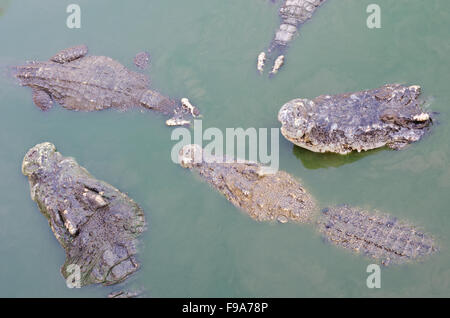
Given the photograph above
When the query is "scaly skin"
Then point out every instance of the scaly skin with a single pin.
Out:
(293, 14)
(95, 223)
(263, 194)
(388, 116)
(269, 196)
(141, 60)
(90, 83)
(377, 235)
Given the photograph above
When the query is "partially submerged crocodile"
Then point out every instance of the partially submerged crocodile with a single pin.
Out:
(269, 196)
(95, 223)
(293, 13)
(89, 83)
(377, 235)
(263, 194)
(388, 116)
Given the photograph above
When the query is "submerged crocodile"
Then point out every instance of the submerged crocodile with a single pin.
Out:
(293, 13)
(89, 83)
(95, 223)
(267, 195)
(388, 116)
(377, 235)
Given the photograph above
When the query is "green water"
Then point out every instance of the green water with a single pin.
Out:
(197, 243)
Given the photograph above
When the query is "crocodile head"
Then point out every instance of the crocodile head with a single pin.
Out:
(190, 155)
(403, 109)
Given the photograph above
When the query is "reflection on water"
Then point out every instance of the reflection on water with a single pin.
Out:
(316, 160)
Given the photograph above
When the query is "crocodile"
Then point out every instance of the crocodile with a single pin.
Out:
(264, 194)
(389, 116)
(377, 235)
(95, 223)
(276, 196)
(90, 83)
(293, 14)
(4, 4)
